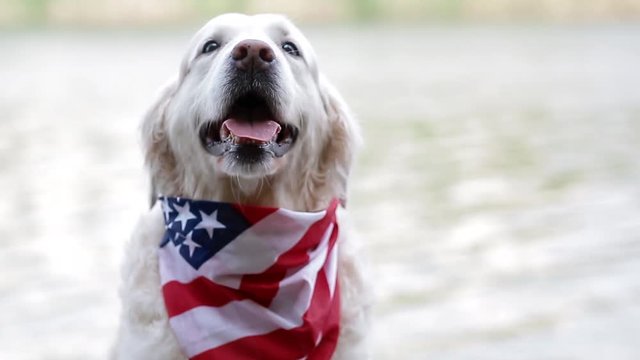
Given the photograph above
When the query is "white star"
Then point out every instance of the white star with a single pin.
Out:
(166, 209)
(188, 241)
(184, 214)
(210, 223)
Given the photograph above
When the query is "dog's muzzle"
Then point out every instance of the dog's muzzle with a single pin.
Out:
(252, 129)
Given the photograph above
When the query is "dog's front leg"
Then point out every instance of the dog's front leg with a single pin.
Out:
(356, 295)
(144, 329)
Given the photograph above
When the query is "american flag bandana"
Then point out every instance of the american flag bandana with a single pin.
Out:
(248, 282)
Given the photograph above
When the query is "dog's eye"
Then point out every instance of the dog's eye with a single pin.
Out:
(210, 46)
(291, 48)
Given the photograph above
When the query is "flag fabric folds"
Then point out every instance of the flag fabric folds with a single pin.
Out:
(249, 282)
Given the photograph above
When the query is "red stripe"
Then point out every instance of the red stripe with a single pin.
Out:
(180, 297)
(253, 214)
(264, 287)
(331, 331)
(279, 344)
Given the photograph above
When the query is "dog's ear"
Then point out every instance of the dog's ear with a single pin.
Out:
(343, 140)
(159, 157)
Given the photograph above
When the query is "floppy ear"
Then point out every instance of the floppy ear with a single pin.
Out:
(159, 156)
(343, 140)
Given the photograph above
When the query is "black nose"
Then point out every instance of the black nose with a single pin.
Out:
(252, 55)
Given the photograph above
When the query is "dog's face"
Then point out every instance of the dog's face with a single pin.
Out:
(248, 104)
(249, 84)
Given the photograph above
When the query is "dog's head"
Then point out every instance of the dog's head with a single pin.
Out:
(250, 119)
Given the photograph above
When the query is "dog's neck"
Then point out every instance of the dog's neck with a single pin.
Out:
(274, 191)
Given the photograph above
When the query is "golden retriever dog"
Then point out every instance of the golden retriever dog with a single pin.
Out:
(249, 119)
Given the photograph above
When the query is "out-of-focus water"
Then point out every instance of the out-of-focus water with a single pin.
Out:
(498, 192)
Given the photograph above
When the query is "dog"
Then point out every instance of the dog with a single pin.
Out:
(249, 119)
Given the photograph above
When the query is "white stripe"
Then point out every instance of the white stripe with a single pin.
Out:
(203, 328)
(252, 252)
(331, 269)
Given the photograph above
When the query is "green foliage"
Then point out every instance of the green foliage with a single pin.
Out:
(365, 9)
(219, 6)
(36, 10)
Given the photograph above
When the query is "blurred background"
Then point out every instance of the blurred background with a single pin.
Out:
(498, 193)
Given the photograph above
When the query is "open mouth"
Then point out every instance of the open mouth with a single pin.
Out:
(250, 129)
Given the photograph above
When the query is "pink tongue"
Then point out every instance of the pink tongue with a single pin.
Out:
(258, 130)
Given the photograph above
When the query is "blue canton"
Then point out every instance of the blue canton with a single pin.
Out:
(199, 229)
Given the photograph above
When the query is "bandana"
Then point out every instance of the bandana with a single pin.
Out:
(249, 282)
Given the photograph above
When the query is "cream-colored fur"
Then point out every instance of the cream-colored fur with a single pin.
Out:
(314, 171)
